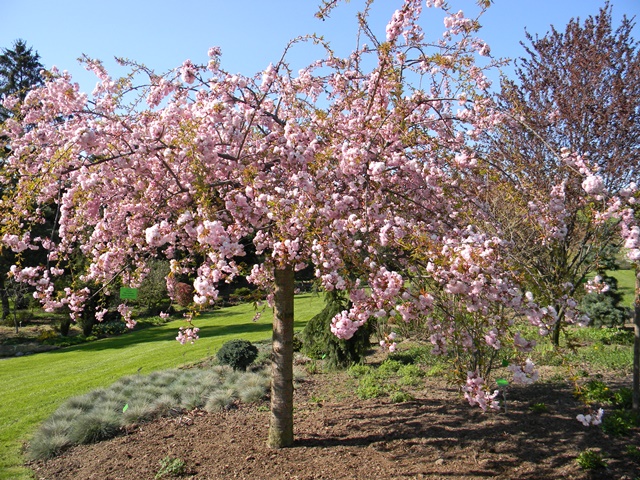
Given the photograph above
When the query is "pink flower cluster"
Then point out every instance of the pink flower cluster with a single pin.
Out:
(476, 394)
(188, 335)
(524, 374)
(593, 418)
(388, 342)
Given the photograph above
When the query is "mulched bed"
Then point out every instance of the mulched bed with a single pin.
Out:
(435, 436)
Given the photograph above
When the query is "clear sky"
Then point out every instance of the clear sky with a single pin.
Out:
(252, 33)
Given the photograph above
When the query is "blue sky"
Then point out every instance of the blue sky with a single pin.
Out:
(251, 33)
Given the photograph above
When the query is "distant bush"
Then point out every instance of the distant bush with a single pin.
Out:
(238, 354)
(47, 336)
(109, 328)
(605, 309)
(153, 290)
(183, 294)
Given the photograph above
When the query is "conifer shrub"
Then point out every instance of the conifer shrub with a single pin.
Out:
(605, 309)
(238, 354)
(320, 343)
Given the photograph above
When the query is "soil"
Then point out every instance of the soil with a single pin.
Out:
(436, 436)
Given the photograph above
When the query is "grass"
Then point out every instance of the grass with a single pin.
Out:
(35, 386)
(388, 378)
(626, 285)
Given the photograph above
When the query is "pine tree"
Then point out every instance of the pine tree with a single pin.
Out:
(19, 72)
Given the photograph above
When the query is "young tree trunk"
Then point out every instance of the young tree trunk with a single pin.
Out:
(557, 327)
(555, 337)
(6, 308)
(281, 421)
(636, 345)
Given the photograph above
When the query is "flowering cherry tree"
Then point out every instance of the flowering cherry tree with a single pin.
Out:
(362, 165)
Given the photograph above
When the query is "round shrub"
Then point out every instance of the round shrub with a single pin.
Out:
(238, 354)
(109, 328)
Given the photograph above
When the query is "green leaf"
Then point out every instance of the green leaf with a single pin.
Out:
(124, 409)
(505, 363)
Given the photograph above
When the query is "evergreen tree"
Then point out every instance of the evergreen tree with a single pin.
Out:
(319, 342)
(19, 72)
(605, 309)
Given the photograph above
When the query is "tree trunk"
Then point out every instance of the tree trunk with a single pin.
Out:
(636, 345)
(555, 337)
(281, 422)
(6, 308)
(557, 327)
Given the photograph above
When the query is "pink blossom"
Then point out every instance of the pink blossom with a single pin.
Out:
(593, 184)
(188, 335)
(100, 314)
(126, 313)
(388, 342)
(476, 394)
(594, 418)
(524, 374)
(188, 72)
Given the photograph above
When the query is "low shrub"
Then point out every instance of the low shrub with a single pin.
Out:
(370, 387)
(238, 354)
(173, 467)
(590, 460)
(619, 423)
(595, 391)
(109, 328)
(399, 396)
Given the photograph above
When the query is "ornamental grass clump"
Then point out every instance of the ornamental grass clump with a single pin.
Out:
(106, 412)
(100, 424)
(252, 387)
(219, 400)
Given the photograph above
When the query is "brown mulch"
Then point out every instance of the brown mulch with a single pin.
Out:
(435, 436)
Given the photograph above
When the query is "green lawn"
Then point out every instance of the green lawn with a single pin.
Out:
(626, 285)
(34, 386)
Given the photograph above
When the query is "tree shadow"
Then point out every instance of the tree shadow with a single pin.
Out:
(419, 433)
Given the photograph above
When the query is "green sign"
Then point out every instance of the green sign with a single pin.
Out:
(502, 382)
(128, 293)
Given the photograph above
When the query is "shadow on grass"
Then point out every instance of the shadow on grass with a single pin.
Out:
(168, 333)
